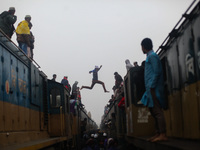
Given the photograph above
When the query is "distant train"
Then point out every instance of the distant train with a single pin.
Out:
(180, 57)
(34, 111)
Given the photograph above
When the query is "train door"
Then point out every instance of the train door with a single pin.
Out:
(138, 119)
(188, 84)
(67, 113)
(56, 109)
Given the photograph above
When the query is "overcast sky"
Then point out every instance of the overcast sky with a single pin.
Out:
(72, 36)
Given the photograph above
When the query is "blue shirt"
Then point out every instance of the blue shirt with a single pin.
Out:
(153, 78)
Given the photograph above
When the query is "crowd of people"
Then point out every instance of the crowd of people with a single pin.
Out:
(98, 140)
(152, 98)
(25, 37)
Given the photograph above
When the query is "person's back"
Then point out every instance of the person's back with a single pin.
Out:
(118, 80)
(7, 20)
(23, 34)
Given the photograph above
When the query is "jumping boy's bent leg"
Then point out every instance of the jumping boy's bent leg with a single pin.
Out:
(100, 82)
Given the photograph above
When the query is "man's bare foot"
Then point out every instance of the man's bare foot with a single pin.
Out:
(161, 137)
(153, 137)
(106, 91)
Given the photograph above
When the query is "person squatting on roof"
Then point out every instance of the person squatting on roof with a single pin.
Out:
(135, 64)
(74, 89)
(23, 35)
(154, 84)
(7, 20)
(54, 77)
(128, 64)
(65, 82)
(118, 81)
(95, 79)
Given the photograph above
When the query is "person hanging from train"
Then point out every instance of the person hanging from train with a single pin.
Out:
(23, 34)
(7, 21)
(95, 79)
(154, 94)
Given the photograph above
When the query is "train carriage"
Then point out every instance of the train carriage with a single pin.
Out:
(34, 111)
(180, 55)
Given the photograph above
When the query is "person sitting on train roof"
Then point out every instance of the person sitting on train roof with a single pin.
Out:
(65, 82)
(128, 64)
(135, 64)
(74, 89)
(95, 79)
(54, 77)
(7, 20)
(154, 95)
(23, 34)
(118, 81)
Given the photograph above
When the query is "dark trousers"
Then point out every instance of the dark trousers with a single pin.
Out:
(157, 112)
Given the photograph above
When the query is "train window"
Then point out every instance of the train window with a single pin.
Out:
(55, 98)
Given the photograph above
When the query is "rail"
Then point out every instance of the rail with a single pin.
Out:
(181, 20)
(23, 56)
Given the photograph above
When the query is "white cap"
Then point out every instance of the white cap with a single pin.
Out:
(104, 134)
(92, 135)
(95, 136)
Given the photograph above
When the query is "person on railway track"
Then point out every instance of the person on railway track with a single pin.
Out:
(154, 84)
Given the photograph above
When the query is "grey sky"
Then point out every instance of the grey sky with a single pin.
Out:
(72, 36)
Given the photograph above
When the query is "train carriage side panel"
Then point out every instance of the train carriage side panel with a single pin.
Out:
(13, 92)
(6, 96)
(173, 115)
(23, 85)
(138, 118)
(1, 91)
(188, 84)
(196, 34)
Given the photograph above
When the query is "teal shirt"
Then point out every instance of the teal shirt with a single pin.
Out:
(153, 77)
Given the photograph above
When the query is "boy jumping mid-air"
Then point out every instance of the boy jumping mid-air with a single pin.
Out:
(95, 79)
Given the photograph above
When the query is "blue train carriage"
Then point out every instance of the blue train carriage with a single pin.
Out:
(180, 55)
(23, 100)
(60, 124)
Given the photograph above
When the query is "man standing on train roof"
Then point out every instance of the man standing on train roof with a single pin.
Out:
(7, 20)
(23, 34)
(95, 79)
(154, 84)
